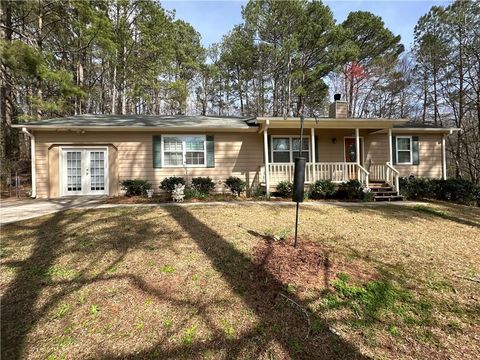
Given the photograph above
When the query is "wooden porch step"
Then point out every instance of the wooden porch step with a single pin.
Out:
(388, 198)
(385, 193)
(381, 189)
(377, 184)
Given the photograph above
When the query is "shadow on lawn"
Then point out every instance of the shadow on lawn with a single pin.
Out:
(19, 310)
(260, 290)
(18, 314)
(460, 214)
(280, 321)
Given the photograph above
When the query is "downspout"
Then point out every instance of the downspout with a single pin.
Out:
(33, 164)
(444, 158)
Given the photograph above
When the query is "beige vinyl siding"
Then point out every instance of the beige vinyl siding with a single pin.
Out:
(430, 154)
(331, 145)
(236, 154)
(328, 150)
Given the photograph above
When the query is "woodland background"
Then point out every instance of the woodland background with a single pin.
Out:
(133, 57)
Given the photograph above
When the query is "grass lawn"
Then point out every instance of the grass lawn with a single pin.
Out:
(218, 282)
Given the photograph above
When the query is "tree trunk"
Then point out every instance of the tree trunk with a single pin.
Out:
(435, 95)
(460, 98)
(425, 96)
(40, 50)
(6, 108)
(124, 82)
(240, 91)
(114, 86)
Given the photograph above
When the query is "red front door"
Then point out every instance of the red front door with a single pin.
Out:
(351, 150)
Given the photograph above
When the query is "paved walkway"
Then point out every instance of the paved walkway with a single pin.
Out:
(18, 210)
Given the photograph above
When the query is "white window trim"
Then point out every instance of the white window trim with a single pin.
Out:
(184, 151)
(62, 149)
(291, 151)
(410, 151)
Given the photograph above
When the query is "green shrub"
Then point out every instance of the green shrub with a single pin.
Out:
(135, 187)
(204, 185)
(367, 195)
(415, 188)
(194, 194)
(454, 190)
(352, 190)
(476, 194)
(236, 185)
(258, 192)
(168, 184)
(322, 189)
(285, 189)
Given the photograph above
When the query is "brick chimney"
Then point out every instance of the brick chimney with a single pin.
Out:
(338, 109)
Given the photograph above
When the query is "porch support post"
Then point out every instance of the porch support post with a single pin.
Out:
(390, 155)
(312, 154)
(357, 145)
(265, 152)
(444, 159)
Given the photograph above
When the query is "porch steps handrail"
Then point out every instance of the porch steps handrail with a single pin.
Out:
(363, 175)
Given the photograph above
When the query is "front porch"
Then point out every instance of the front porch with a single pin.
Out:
(336, 150)
(336, 172)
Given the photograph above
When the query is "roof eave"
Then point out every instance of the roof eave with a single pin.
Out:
(135, 128)
(413, 130)
(331, 123)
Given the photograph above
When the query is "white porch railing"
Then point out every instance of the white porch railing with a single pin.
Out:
(378, 172)
(333, 171)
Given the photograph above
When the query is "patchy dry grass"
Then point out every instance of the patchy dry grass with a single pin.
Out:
(210, 282)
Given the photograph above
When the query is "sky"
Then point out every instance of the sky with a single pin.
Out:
(213, 19)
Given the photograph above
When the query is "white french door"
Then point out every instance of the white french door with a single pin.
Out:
(84, 171)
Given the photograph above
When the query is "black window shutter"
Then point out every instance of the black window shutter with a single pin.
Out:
(394, 150)
(157, 151)
(210, 151)
(415, 151)
(317, 159)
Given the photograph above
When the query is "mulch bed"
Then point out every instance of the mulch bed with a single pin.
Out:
(310, 265)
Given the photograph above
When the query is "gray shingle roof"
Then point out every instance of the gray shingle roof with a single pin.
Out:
(418, 125)
(147, 121)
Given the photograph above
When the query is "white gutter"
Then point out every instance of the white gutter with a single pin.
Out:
(33, 164)
(173, 129)
(418, 130)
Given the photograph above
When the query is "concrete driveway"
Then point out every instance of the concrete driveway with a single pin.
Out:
(17, 210)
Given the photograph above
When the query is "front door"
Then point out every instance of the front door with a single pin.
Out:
(84, 171)
(351, 150)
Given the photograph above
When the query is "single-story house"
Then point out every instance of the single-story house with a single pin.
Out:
(91, 154)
